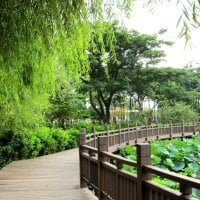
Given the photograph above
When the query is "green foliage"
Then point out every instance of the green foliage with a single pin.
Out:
(85, 125)
(166, 182)
(168, 86)
(67, 104)
(73, 138)
(139, 118)
(48, 143)
(42, 43)
(27, 143)
(178, 113)
(99, 128)
(30, 143)
(180, 156)
(165, 86)
(18, 145)
(88, 126)
(110, 68)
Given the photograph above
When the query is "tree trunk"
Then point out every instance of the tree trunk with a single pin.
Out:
(107, 116)
(140, 105)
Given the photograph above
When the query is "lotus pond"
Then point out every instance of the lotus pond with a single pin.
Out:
(178, 155)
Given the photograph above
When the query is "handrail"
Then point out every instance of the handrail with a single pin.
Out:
(119, 159)
(86, 147)
(185, 180)
(111, 132)
(97, 171)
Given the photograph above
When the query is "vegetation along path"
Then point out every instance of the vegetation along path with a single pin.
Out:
(52, 177)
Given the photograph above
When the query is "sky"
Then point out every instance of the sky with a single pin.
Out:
(166, 16)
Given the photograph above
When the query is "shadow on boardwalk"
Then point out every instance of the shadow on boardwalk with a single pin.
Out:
(52, 177)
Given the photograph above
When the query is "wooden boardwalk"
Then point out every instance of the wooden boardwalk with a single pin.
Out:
(51, 177)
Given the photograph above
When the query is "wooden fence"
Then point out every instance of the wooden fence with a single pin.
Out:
(103, 171)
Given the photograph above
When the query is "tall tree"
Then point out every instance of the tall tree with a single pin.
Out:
(108, 74)
(39, 40)
(165, 86)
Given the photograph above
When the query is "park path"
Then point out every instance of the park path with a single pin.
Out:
(51, 177)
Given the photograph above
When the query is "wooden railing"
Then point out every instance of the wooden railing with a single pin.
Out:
(102, 170)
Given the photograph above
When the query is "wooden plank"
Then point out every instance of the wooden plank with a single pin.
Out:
(52, 177)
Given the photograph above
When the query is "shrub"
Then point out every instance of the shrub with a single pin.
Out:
(15, 145)
(34, 143)
(48, 142)
(19, 145)
(6, 137)
(140, 118)
(61, 138)
(4, 155)
(99, 128)
(85, 125)
(178, 113)
(73, 138)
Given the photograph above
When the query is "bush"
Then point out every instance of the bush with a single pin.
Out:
(20, 146)
(6, 137)
(34, 144)
(100, 128)
(61, 138)
(47, 141)
(15, 145)
(85, 125)
(178, 113)
(73, 140)
(4, 155)
(140, 118)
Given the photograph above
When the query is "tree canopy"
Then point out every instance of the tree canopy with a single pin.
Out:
(109, 72)
(39, 41)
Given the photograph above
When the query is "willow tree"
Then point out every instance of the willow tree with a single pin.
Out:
(40, 40)
(189, 17)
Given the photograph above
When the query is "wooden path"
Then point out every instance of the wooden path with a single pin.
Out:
(51, 177)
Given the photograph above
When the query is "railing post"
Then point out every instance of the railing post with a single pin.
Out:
(119, 133)
(93, 132)
(102, 146)
(119, 166)
(143, 158)
(136, 133)
(157, 137)
(107, 134)
(127, 138)
(82, 139)
(183, 129)
(171, 130)
(147, 132)
(194, 128)
(186, 192)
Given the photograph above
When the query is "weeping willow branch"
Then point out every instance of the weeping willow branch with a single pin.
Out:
(189, 17)
(39, 41)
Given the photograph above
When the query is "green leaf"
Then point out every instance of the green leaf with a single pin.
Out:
(178, 166)
(156, 159)
(196, 192)
(168, 162)
(169, 183)
(164, 151)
